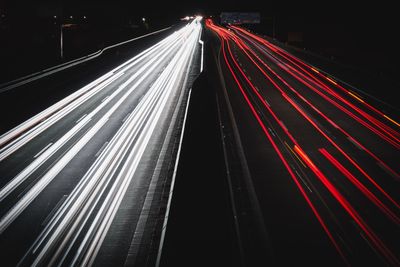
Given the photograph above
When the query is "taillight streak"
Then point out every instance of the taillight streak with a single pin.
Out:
(349, 113)
(360, 186)
(242, 45)
(376, 241)
(286, 55)
(285, 163)
(372, 181)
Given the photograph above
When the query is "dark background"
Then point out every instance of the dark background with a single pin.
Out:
(361, 34)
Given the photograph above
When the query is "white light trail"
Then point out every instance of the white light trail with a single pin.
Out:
(202, 55)
(26, 131)
(100, 191)
(142, 73)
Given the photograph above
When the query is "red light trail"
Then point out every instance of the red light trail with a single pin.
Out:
(326, 89)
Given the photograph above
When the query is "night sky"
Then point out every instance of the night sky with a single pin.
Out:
(371, 12)
(358, 32)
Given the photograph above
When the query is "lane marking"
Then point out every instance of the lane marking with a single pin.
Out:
(127, 115)
(53, 211)
(81, 118)
(272, 132)
(354, 142)
(295, 154)
(388, 171)
(101, 149)
(301, 178)
(43, 150)
(104, 99)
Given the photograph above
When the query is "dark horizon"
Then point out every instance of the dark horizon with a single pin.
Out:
(364, 23)
(358, 35)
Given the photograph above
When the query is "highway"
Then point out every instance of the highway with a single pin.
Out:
(79, 178)
(324, 158)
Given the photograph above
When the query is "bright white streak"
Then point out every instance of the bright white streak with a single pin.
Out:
(14, 212)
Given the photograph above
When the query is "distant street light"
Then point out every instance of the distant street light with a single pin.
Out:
(143, 19)
(71, 17)
(84, 17)
(55, 17)
(61, 21)
(61, 41)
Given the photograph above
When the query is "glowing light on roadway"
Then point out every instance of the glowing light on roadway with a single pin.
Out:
(107, 179)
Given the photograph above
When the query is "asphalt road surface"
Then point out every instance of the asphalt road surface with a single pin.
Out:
(324, 159)
(78, 179)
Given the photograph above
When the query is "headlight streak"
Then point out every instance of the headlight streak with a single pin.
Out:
(142, 74)
(99, 237)
(377, 243)
(23, 133)
(47, 122)
(114, 167)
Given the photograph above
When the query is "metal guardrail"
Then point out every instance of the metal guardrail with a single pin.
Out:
(46, 72)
